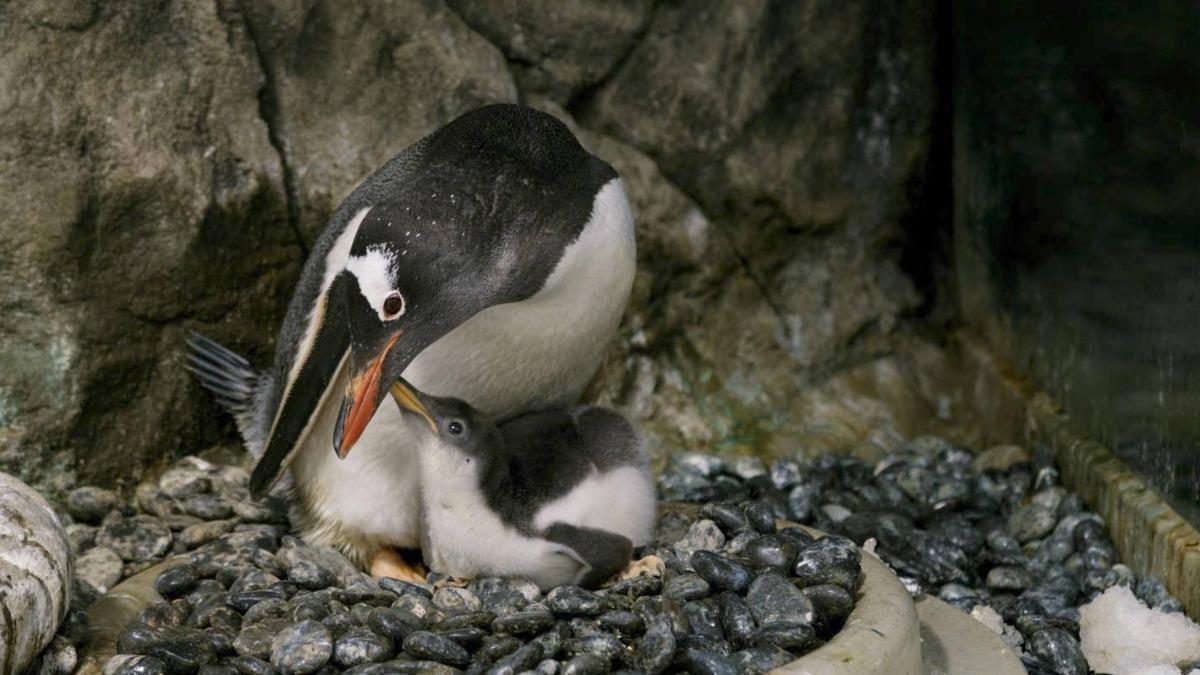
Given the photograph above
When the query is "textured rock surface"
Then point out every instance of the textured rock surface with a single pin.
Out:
(35, 574)
(168, 165)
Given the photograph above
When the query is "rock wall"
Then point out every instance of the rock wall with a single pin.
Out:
(166, 165)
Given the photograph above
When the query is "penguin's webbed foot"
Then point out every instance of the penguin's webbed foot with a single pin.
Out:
(651, 565)
(388, 562)
(451, 582)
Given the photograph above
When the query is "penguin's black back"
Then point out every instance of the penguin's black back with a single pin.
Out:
(547, 454)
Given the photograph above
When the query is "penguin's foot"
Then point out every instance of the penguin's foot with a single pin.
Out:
(451, 582)
(651, 565)
(388, 562)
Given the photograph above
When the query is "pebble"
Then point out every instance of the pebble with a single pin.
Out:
(771, 551)
(703, 535)
(301, 648)
(433, 647)
(829, 560)
(657, 647)
(760, 659)
(1008, 579)
(310, 576)
(721, 573)
(702, 662)
(736, 619)
(684, 587)
(91, 504)
(135, 539)
(1060, 649)
(359, 646)
(177, 581)
(202, 533)
(207, 507)
(789, 635)
(1031, 522)
(585, 664)
(456, 599)
(183, 481)
(100, 567)
(773, 599)
(527, 622)
(522, 659)
(574, 601)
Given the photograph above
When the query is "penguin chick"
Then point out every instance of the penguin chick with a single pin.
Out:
(560, 496)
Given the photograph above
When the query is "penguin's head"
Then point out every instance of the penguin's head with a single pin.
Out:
(459, 428)
(484, 211)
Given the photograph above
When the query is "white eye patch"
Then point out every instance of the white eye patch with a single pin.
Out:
(376, 275)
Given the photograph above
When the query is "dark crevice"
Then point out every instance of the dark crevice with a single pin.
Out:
(578, 103)
(928, 225)
(269, 110)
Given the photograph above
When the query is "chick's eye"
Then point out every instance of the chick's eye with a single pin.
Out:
(393, 305)
(455, 427)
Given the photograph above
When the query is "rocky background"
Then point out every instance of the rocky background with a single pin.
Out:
(165, 166)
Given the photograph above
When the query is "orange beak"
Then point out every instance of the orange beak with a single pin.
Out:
(363, 395)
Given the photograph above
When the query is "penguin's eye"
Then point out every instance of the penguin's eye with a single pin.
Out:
(455, 428)
(393, 305)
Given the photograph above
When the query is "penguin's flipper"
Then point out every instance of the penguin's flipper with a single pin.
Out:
(234, 383)
(603, 553)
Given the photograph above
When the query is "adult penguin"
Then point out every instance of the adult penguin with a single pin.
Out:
(490, 261)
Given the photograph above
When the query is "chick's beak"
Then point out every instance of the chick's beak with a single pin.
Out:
(409, 399)
(361, 400)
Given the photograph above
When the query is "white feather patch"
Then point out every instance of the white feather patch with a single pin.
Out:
(376, 274)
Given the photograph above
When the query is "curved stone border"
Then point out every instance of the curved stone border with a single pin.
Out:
(120, 605)
(954, 643)
(881, 635)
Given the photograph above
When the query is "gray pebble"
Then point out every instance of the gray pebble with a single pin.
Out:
(309, 575)
(684, 587)
(183, 481)
(1031, 522)
(100, 567)
(656, 649)
(829, 560)
(301, 648)
(359, 646)
(785, 635)
(573, 601)
(1061, 650)
(207, 507)
(585, 664)
(91, 504)
(202, 533)
(456, 599)
(1008, 579)
(703, 535)
(720, 572)
(528, 622)
(773, 599)
(757, 660)
(136, 539)
(426, 645)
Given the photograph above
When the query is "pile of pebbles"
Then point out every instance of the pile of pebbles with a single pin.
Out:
(733, 594)
(993, 534)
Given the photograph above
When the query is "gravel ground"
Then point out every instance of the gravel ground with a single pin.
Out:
(993, 534)
(735, 595)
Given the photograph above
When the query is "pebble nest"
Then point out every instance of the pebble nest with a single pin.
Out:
(738, 595)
